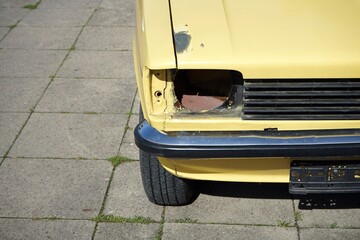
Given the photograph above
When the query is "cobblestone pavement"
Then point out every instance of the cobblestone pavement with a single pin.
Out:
(68, 102)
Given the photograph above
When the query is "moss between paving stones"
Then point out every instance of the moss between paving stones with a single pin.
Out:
(117, 219)
(117, 160)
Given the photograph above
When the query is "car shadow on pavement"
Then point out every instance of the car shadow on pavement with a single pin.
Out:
(278, 191)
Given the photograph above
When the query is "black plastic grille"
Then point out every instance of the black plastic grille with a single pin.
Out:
(299, 99)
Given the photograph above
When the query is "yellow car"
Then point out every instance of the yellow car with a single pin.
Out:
(248, 91)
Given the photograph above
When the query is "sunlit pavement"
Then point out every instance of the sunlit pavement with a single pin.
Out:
(68, 102)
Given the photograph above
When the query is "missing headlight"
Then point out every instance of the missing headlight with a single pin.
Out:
(205, 90)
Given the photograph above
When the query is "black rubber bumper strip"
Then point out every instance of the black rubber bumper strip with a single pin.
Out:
(231, 145)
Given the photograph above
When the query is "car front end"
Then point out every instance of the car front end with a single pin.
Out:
(249, 91)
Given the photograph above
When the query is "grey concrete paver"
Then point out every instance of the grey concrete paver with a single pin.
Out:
(65, 4)
(70, 136)
(41, 38)
(133, 122)
(234, 210)
(126, 197)
(105, 38)
(329, 217)
(19, 229)
(10, 16)
(57, 18)
(88, 95)
(124, 5)
(181, 231)
(16, 3)
(112, 18)
(329, 234)
(21, 94)
(3, 32)
(129, 150)
(30, 63)
(98, 64)
(124, 231)
(10, 125)
(53, 188)
(136, 105)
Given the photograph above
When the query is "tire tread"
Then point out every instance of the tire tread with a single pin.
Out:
(161, 187)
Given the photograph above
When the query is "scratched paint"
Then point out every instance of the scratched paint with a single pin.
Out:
(182, 41)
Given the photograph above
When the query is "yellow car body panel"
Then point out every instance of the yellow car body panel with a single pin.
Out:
(261, 39)
(275, 170)
(319, 39)
(271, 39)
(152, 46)
(265, 170)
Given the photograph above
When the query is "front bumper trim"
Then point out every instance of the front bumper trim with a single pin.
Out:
(305, 144)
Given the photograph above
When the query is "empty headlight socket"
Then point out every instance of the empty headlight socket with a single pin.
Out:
(207, 90)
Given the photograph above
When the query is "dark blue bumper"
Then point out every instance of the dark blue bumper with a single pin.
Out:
(341, 143)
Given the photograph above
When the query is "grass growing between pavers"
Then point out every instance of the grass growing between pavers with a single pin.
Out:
(127, 127)
(117, 160)
(116, 219)
(186, 220)
(334, 225)
(298, 216)
(32, 6)
(12, 26)
(283, 223)
(160, 232)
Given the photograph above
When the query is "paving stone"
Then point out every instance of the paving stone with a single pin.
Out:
(124, 231)
(18, 229)
(10, 16)
(113, 18)
(70, 136)
(329, 234)
(41, 38)
(30, 63)
(16, 3)
(133, 122)
(234, 210)
(3, 32)
(69, 4)
(53, 187)
(213, 231)
(105, 38)
(57, 18)
(118, 4)
(88, 95)
(126, 196)
(98, 64)
(129, 150)
(136, 105)
(10, 125)
(326, 218)
(21, 94)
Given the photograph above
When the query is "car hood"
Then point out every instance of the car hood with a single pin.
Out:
(269, 39)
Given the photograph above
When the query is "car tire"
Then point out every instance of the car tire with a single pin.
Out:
(161, 187)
